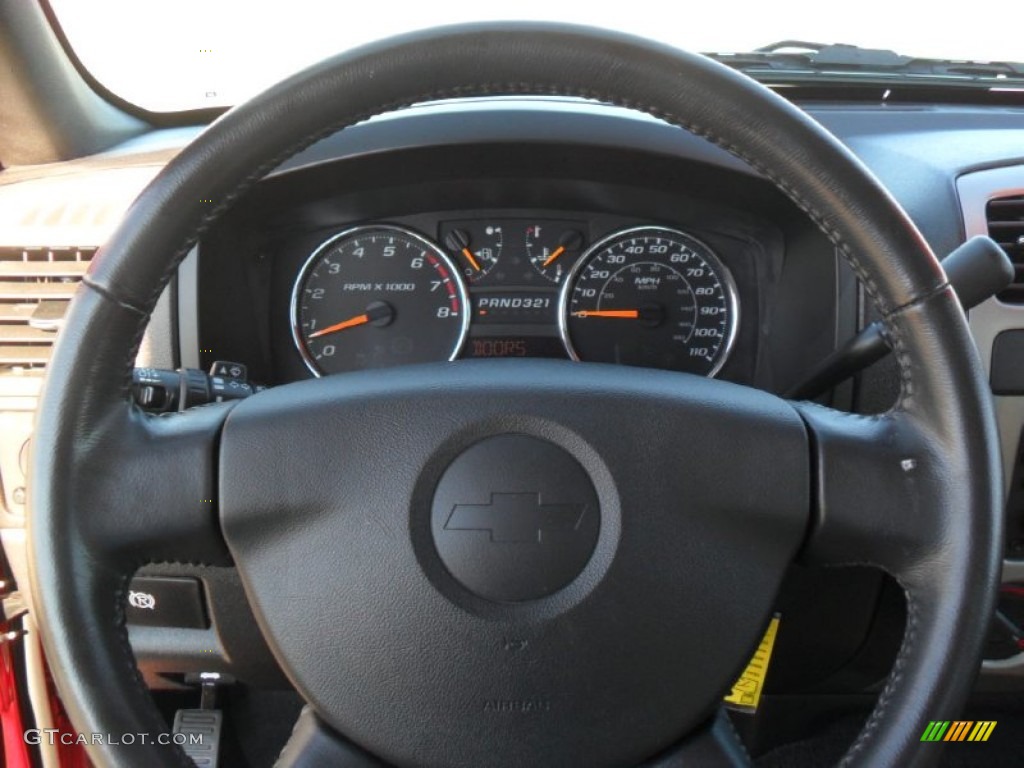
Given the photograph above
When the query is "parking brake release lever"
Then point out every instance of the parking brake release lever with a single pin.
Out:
(977, 270)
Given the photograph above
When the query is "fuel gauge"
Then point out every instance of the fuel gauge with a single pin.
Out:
(474, 245)
(552, 248)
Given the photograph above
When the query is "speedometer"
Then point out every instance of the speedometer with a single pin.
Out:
(378, 296)
(652, 297)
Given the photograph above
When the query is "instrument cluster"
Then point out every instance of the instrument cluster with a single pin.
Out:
(384, 294)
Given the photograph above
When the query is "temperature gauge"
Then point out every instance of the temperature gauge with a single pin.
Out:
(552, 248)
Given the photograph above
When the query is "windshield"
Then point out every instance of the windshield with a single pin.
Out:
(189, 54)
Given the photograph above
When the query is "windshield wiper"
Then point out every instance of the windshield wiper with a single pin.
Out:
(798, 59)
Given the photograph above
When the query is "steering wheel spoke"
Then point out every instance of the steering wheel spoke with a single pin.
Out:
(159, 496)
(714, 745)
(146, 491)
(892, 489)
(313, 743)
(875, 484)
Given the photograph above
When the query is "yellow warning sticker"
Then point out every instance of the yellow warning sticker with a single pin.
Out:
(746, 692)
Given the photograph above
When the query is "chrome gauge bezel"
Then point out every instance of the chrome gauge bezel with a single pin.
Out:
(706, 251)
(314, 257)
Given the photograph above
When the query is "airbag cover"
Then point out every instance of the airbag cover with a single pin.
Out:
(700, 497)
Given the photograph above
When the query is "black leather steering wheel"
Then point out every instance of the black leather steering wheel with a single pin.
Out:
(322, 491)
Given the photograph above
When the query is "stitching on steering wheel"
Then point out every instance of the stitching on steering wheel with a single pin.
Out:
(881, 706)
(738, 740)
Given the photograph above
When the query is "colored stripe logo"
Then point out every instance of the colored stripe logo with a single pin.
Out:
(958, 730)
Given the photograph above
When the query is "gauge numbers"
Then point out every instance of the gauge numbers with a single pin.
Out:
(378, 296)
(650, 297)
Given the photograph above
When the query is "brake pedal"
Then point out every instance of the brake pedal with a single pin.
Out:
(200, 729)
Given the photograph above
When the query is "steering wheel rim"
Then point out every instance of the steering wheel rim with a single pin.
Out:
(104, 475)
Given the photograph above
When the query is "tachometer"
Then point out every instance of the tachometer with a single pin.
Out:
(378, 296)
(652, 297)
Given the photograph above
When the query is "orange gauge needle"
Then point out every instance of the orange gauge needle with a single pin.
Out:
(554, 255)
(352, 322)
(469, 257)
(622, 314)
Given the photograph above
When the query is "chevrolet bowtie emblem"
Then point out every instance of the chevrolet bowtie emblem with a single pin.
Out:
(512, 518)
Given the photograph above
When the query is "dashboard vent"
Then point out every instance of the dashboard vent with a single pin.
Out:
(1005, 218)
(35, 287)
